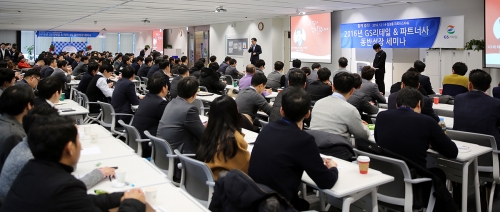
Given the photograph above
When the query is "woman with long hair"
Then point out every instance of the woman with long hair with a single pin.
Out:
(222, 145)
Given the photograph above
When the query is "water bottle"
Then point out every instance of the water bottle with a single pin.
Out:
(442, 124)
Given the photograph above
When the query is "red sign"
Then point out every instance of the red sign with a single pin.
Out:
(157, 40)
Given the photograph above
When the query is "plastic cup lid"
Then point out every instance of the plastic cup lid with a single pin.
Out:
(363, 159)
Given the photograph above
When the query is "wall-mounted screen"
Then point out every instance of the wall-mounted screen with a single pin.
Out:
(492, 32)
(311, 38)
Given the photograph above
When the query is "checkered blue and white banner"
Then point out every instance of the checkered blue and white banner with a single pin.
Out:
(72, 47)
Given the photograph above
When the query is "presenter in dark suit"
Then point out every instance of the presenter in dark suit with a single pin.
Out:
(151, 108)
(254, 51)
(124, 94)
(180, 124)
(411, 79)
(475, 111)
(379, 63)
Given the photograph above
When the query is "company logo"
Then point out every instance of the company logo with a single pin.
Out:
(451, 29)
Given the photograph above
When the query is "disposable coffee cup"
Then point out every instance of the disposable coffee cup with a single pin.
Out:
(436, 100)
(441, 91)
(120, 175)
(279, 90)
(364, 164)
(87, 129)
(150, 195)
(93, 137)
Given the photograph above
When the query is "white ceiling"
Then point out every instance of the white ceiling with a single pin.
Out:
(126, 15)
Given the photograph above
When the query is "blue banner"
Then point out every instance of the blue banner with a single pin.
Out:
(408, 33)
(66, 34)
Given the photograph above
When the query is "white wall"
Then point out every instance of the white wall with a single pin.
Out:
(177, 41)
(143, 38)
(7, 36)
(270, 39)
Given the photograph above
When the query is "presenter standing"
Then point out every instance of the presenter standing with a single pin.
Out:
(379, 65)
(254, 51)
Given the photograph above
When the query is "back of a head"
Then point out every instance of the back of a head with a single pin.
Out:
(324, 74)
(213, 66)
(36, 112)
(480, 79)
(184, 59)
(48, 136)
(343, 82)
(164, 64)
(260, 63)
(177, 60)
(125, 58)
(6, 75)
(227, 59)
(187, 87)
(92, 67)
(224, 112)
(32, 72)
(157, 54)
(15, 99)
(140, 58)
(198, 65)
(411, 78)
(367, 72)
(306, 70)
(3, 64)
(258, 79)
(48, 60)
(278, 65)
(295, 103)
(49, 86)
(213, 58)
(182, 69)
(315, 66)
(105, 67)
(250, 69)
(460, 68)
(343, 62)
(296, 77)
(158, 59)
(83, 58)
(148, 60)
(419, 66)
(408, 97)
(296, 63)
(156, 83)
(357, 80)
(232, 61)
(128, 72)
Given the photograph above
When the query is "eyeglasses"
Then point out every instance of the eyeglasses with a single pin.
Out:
(37, 79)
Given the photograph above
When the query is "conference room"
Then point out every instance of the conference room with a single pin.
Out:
(190, 106)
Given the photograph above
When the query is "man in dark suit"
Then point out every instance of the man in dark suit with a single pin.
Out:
(148, 115)
(358, 99)
(46, 184)
(30, 79)
(254, 51)
(87, 77)
(296, 78)
(124, 95)
(144, 69)
(155, 67)
(75, 62)
(425, 81)
(475, 111)
(322, 87)
(52, 62)
(137, 63)
(143, 52)
(4, 52)
(379, 63)
(180, 124)
(411, 79)
(49, 91)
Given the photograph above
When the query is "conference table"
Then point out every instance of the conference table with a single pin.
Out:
(71, 108)
(140, 173)
(72, 84)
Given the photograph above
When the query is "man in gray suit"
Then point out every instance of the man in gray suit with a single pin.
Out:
(370, 89)
(314, 73)
(63, 71)
(180, 124)
(82, 66)
(342, 67)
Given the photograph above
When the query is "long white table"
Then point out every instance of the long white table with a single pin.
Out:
(105, 148)
(210, 98)
(78, 111)
(94, 128)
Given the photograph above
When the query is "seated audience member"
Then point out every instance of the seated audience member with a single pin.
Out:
(22, 63)
(306, 70)
(99, 89)
(314, 73)
(15, 103)
(154, 68)
(283, 151)
(260, 66)
(92, 70)
(126, 61)
(180, 124)
(411, 79)
(232, 71)
(49, 92)
(21, 154)
(250, 99)
(183, 72)
(343, 62)
(345, 119)
(223, 66)
(63, 71)
(296, 63)
(475, 111)
(52, 65)
(39, 63)
(276, 79)
(425, 81)
(147, 117)
(408, 133)
(210, 78)
(164, 69)
(496, 91)
(358, 99)
(196, 69)
(184, 60)
(136, 63)
(222, 145)
(322, 87)
(369, 88)
(296, 78)
(124, 95)
(75, 63)
(46, 184)
(456, 83)
(246, 81)
(81, 68)
(7, 79)
(117, 61)
(31, 79)
(213, 59)
(145, 67)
